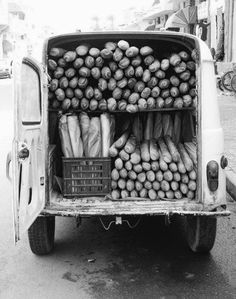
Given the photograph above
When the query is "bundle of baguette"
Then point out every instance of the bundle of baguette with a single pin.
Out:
(82, 136)
(151, 162)
(121, 77)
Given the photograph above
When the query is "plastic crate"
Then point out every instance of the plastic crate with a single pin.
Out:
(86, 177)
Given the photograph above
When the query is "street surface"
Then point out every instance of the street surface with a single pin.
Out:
(151, 261)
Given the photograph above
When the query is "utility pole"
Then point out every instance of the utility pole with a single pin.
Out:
(209, 21)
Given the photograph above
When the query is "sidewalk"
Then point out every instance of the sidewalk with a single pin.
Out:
(227, 104)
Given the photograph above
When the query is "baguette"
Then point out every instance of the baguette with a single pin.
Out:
(145, 155)
(115, 174)
(164, 150)
(172, 149)
(138, 128)
(188, 163)
(65, 137)
(123, 155)
(177, 127)
(122, 140)
(115, 194)
(130, 145)
(124, 194)
(138, 168)
(167, 125)
(157, 130)
(190, 195)
(181, 167)
(75, 136)
(155, 166)
(149, 127)
(135, 158)
(192, 151)
(113, 151)
(138, 186)
(94, 138)
(105, 125)
(163, 165)
(123, 173)
(128, 165)
(154, 153)
(152, 194)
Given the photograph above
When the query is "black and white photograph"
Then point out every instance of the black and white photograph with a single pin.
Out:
(118, 149)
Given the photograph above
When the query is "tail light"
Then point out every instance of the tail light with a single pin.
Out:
(213, 175)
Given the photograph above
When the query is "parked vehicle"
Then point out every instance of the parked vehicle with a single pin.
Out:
(5, 69)
(37, 154)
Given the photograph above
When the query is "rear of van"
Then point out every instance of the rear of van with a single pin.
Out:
(174, 161)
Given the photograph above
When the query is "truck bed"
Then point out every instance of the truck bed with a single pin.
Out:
(98, 206)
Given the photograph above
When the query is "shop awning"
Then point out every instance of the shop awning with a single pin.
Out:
(7, 46)
(3, 28)
(182, 17)
(155, 14)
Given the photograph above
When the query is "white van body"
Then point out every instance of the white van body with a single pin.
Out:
(33, 195)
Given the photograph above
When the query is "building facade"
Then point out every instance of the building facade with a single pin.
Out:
(3, 23)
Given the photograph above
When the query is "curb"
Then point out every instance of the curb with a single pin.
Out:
(231, 184)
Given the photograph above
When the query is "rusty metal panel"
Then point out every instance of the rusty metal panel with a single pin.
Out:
(100, 206)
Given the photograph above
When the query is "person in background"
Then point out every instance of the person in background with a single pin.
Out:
(151, 26)
(213, 54)
(202, 30)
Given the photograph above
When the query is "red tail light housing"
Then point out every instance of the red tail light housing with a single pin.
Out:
(213, 175)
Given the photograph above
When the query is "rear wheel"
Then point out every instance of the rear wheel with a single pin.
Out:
(226, 80)
(41, 235)
(233, 83)
(200, 233)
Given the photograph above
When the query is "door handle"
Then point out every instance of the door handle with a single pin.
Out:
(23, 151)
(8, 161)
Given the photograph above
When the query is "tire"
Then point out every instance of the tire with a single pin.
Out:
(219, 84)
(233, 83)
(41, 235)
(226, 80)
(200, 233)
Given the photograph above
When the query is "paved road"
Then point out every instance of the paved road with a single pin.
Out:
(149, 262)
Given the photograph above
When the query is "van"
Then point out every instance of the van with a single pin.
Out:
(42, 179)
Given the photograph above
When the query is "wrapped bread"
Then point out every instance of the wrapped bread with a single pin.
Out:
(105, 126)
(138, 128)
(65, 137)
(177, 128)
(112, 129)
(167, 125)
(84, 123)
(149, 127)
(94, 138)
(75, 136)
(157, 130)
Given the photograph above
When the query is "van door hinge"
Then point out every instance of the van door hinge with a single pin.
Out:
(49, 79)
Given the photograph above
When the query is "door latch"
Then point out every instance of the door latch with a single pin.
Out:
(23, 152)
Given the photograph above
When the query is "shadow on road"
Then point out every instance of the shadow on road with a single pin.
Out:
(140, 263)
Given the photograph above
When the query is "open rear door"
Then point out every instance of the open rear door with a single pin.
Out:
(28, 145)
